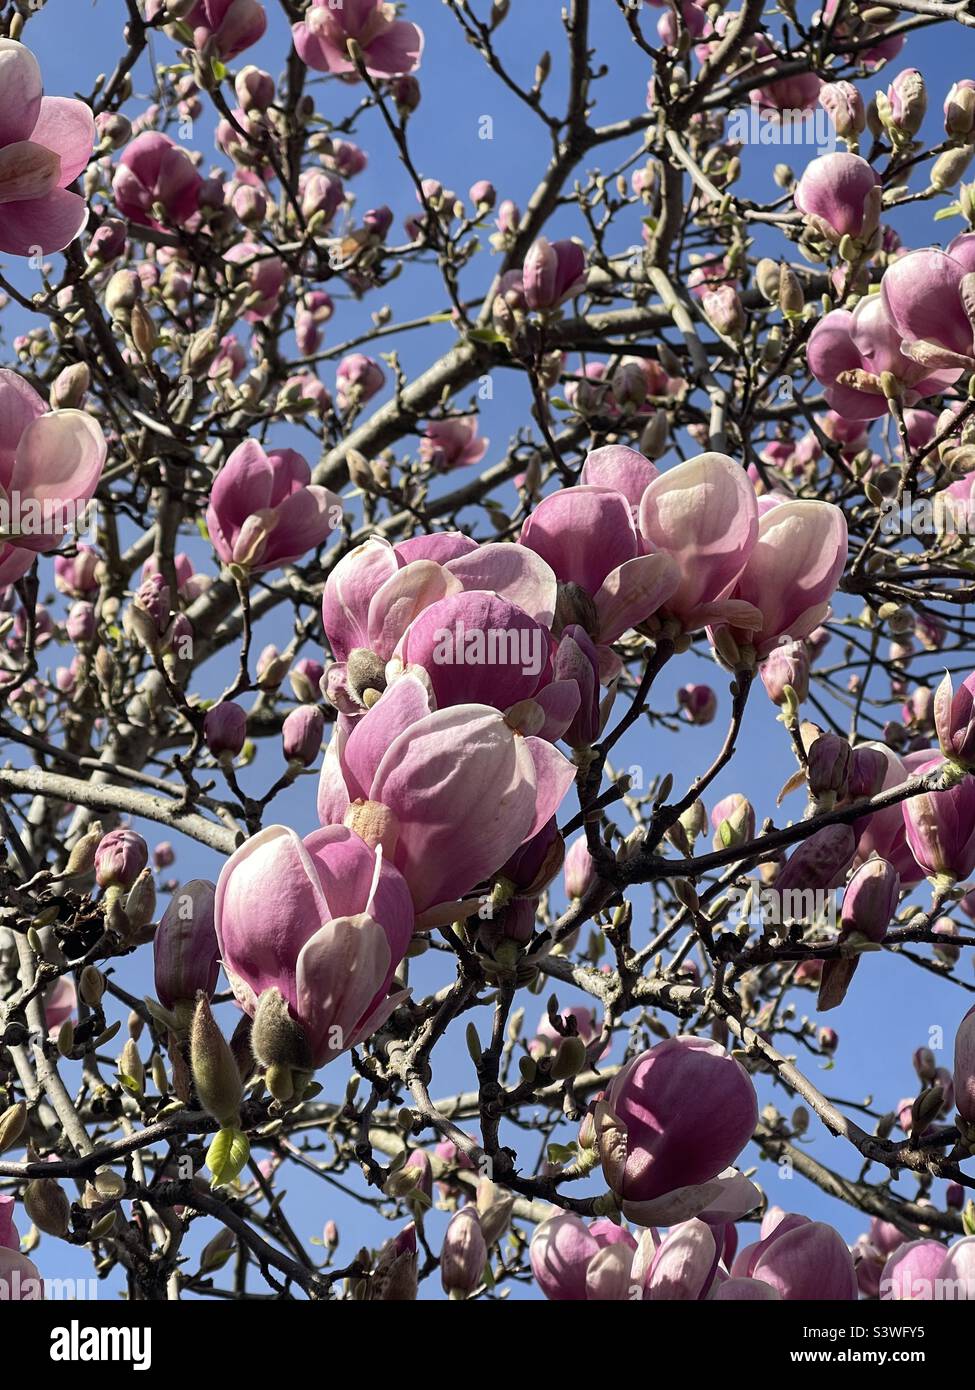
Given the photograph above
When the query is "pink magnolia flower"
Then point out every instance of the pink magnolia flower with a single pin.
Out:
(869, 903)
(563, 1249)
(230, 25)
(186, 955)
(588, 536)
(704, 515)
(844, 105)
(478, 648)
(800, 1259)
(405, 776)
(733, 821)
(868, 342)
(684, 1267)
(264, 509)
(320, 924)
(50, 465)
(792, 572)
(455, 443)
(45, 143)
(156, 183)
(553, 272)
(954, 720)
(911, 1271)
(357, 379)
(671, 1122)
(579, 869)
(940, 827)
(378, 589)
(926, 301)
(698, 703)
(883, 833)
(266, 275)
(836, 190)
(390, 47)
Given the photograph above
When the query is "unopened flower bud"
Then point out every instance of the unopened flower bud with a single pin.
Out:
(215, 1074)
(47, 1205)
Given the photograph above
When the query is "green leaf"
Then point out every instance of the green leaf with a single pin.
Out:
(485, 335)
(227, 1155)
(218, 69)
(562, 1153)
(952, 210)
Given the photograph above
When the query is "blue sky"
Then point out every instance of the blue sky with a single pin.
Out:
(892, 1005)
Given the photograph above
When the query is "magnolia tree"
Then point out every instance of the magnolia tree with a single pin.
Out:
(253, 542)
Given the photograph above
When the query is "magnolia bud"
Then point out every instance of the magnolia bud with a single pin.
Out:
(120, 858)
(81, 860)
(47, 1205)
(215, 1075)
(464, 1254)
(949, 167)
(70, 386)
(767, 277)
(140, 901)
(91, 985)
(13, 1121)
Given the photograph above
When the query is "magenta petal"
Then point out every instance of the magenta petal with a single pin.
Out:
(794, 567)
(704, 514)
(60, 457)
(47, 224)
(338, 973)
(439, 545)
(333, 794)
(921, 295)
(304, 521)
(15, 561)
(67, 127)
(554, 775)
(616, 466)
(348, 593)
(463, 798)
(684, 1265)
(560, 1252)
(559, 701)
(402, 597)
(396, 51)
(632, 593)
(21, 90)
(582, 533)
(809, 1262)
(268, 903)
(478, 649)
(404, 703)
(512, 572)
(19, 406)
